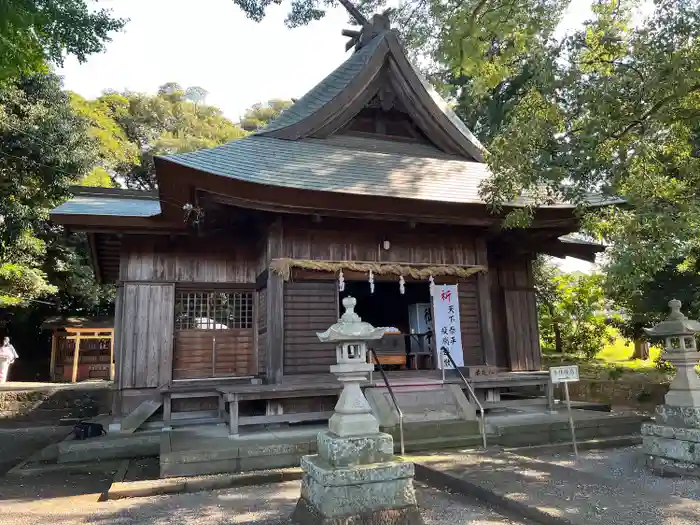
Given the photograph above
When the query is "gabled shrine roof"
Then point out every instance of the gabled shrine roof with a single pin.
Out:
(325, 91)
(385, 46)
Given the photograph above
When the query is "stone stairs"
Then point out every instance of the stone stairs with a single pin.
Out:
(436, 435)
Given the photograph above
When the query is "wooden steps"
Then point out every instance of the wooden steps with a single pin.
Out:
(139, 416)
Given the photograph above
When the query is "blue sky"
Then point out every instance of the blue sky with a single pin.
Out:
(211, 44)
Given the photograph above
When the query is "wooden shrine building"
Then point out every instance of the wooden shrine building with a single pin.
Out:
(368, 185)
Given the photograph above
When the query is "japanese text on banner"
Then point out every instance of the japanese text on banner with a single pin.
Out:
(447, 334)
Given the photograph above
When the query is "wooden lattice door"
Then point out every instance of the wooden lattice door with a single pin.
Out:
(213, 334)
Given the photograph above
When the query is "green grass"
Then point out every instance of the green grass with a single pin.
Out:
(613, 362)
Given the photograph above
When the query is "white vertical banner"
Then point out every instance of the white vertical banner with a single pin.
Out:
(447, 334)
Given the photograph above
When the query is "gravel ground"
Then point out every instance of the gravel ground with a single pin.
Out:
(260, 505)
(627, 464)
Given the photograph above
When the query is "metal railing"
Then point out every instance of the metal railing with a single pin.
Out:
(373, 354)
(471, 392)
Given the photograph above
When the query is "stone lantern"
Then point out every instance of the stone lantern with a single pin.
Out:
(672, 442)
(355, 477)
(353, 415)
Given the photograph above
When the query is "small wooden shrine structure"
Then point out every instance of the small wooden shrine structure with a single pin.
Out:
(81, 348)
(367, 186)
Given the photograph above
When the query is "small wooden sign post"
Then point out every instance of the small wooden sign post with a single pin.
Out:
(566, 374)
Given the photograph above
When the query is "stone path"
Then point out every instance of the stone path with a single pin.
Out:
(555, 494)
(259, 505)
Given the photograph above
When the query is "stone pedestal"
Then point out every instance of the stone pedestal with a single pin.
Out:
(356, 480)
(672, 442)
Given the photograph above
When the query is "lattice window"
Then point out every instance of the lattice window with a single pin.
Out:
(213, 310)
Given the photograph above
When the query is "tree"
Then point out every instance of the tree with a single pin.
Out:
(44, 148)
(134, 127)
(571, 309)
(34, 32)
(548, 295)
(612, 108)
(624, 120)
(259, 115)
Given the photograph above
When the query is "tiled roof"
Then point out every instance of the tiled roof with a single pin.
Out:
(326, 90)
(344, 165)
(110, 205)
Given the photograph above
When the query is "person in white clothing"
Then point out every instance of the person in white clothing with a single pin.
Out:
(8, 354)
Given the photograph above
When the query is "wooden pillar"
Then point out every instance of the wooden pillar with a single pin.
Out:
(488, 339)
(111, 356)
(76, 359)
(275, 309)
(54, 347)
(116, 342)
(275, 328)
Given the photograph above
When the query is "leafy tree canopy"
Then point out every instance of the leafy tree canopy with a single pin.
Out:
(44, 148)
(613, 107)
(34, 32)
(259, 115)
(132, 128)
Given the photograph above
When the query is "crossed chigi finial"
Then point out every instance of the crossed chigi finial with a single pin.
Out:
(370, 28)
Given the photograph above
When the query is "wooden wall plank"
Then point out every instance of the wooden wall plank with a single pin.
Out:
(470, 323)
(128, 330)
(145, 335)
(153, 343)
(153, 259)
(142, 326)
(322, 244)
(485, 307)
(309, 307)
(522, 330)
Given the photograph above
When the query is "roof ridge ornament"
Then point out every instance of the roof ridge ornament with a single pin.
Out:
(379, 24)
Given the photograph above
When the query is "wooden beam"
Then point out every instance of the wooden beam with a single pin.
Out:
(87, 337)
(54, 347)
(376, 215)
(71, 329)
(76, 358)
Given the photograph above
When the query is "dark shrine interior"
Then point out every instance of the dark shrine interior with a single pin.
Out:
(387, 306)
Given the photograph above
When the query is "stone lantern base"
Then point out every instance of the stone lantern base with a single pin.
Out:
(356, 480)
(672, 442)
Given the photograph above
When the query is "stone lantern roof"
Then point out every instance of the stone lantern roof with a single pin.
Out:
(676, 324)
(350, 327)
